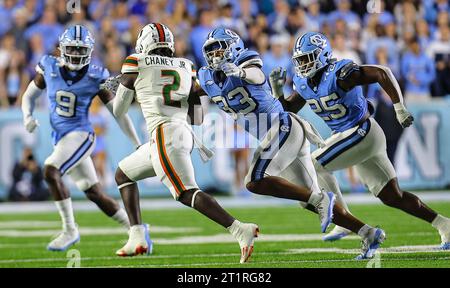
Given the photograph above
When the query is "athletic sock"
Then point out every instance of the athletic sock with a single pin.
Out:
(122, 218)
(364, 231)
(315, 198)
(66, 212)
(234, 227)
(440, 222)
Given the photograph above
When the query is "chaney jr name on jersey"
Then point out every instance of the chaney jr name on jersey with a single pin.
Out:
(162, 87)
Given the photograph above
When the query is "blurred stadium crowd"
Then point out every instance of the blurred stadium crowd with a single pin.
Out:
(412, 37)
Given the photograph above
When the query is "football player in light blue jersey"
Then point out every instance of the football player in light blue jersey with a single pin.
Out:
(333, 91)
(281, 165)
(71, 84)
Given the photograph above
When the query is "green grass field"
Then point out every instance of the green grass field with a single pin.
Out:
(184, 238)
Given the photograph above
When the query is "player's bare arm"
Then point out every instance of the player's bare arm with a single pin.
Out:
(124, 121)
(293, 103)
(196, 110)
(368, 74)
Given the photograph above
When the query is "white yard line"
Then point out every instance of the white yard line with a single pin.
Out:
(227, 202)
(93, 231)
(390, 250)
(29, 224)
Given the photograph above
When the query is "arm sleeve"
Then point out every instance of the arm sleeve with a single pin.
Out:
(254, 75)
(29, 97)
(122, 101)
(125, 124)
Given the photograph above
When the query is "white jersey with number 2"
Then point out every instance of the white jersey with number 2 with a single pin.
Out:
(162, 87)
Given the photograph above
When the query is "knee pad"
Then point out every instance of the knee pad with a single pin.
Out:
(85, 184)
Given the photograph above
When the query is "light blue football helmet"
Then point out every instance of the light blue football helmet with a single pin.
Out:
(76, 45)
(312, 52)
(222, 45)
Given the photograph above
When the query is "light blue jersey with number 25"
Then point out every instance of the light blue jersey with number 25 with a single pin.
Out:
(341, 110)
(70, 95)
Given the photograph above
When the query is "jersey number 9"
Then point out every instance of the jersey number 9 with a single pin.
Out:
(66, 102)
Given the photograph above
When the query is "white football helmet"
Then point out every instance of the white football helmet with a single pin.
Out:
(154, 36)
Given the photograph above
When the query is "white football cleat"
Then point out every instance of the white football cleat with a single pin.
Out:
(445, 237)
(64, 240)
(337, 233)
(246, 234)
(375, 237)
(138, 242)
(325, 210)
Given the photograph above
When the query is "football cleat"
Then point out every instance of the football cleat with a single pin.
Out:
(64, 240)
(445, 246)
(337, 233)
(371, 243)
(325, 210)
(445, 237)
(246, 234)
(139, 242)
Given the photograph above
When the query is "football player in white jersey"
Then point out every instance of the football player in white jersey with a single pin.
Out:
(163, 87)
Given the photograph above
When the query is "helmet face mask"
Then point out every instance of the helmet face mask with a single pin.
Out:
(311, 53)
(217, 52)
(76, 45)
(76, 57)
(307, 64)
(221, 46)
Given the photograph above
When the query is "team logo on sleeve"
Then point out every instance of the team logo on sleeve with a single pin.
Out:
(285, 128)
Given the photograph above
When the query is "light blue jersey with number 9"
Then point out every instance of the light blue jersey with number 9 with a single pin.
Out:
(341, 110)
(70, 95)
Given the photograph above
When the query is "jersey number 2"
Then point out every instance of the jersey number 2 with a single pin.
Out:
(168, 88)
(66, 102)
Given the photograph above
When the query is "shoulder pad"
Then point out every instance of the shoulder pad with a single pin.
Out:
(131, 64)
(247, 58)
(44, 62)
(346, 70)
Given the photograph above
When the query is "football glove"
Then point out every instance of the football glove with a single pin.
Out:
(277, 78)
(30, 123)
(403, 116)
(231, 70)
(111, 84)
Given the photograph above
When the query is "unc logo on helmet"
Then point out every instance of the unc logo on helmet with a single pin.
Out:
(222, 45)
(311, 53)
(318, 40)
(76, 45)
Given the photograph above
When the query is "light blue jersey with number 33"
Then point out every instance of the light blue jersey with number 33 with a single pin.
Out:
(238, 97)
(70, 95)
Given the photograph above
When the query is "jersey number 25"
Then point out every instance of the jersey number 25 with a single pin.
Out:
(335, 111)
